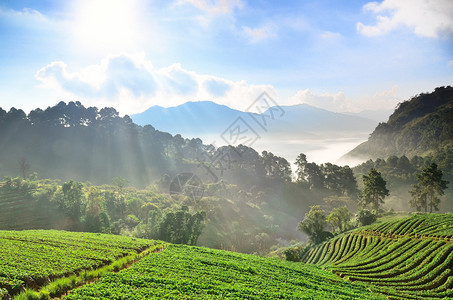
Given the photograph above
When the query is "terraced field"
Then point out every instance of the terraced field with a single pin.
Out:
(409, 258)
(18, 210)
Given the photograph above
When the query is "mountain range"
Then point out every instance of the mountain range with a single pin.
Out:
(206, 117)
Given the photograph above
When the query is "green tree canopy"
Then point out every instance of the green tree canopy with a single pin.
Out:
(339, 218)
(314, 223)
(375, 190)
(430, 185)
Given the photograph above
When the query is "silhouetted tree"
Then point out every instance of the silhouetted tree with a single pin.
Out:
(430, 185)
(374, 191)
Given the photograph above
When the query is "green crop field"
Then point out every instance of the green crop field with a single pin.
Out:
(34, 257)
(185, 272)
(18, 210)
(407, 258)
(30, 258)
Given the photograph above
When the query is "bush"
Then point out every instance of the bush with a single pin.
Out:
(366, 217)
(295, 253)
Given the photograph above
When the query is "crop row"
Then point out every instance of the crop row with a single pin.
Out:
(183, 272)
(36, 256)
(407, 258)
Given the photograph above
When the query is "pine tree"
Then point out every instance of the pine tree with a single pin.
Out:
(375, 189)
(430, 185)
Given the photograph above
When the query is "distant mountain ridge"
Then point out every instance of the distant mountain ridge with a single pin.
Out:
(207, 117)
(421, 126)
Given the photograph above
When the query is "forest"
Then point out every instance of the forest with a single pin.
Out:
(89, 169)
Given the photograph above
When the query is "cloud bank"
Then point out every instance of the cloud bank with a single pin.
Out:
(427, 18)
(132, 84)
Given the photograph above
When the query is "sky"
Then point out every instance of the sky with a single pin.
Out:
(344, 56)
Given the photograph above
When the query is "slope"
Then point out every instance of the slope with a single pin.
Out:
(32, 257)
(408, 258)
(420, 126)
(183, 272)
(20, 211)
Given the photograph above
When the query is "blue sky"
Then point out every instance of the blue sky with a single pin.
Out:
(132, 54)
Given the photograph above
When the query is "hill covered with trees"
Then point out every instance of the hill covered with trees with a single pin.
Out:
(420, 126)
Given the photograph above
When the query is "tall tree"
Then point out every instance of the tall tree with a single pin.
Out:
(430, 185)
(314, 223)
(375, 189)
(301, 162)
(339, 218)
(73, 198)
(24, 167)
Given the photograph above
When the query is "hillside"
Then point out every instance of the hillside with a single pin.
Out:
(32, 259)
(175, 272)
(408, 258)
(420, 126)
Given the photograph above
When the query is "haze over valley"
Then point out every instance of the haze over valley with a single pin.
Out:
(226, 149)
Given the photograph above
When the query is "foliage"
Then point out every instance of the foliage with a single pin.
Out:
(430, 184)
(73, 196)
(407, 258)
(120, 182)
(183, 272)
(375, 190)
(419, 126)
(339, 180)
(41, 254)
(314, 223)
(181, 227)
(295, 253)
(366, 217)
(401, 174)
(339, 218)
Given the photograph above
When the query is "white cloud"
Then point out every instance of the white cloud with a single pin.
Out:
(131, 84)
(258, 34)
(329, 35)
(450, 63)
(428, 18)
(214, 7)
(339, 102)
(24, 15)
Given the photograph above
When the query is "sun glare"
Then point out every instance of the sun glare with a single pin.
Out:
(107, 25)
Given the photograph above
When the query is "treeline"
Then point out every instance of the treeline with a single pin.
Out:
(401, 174)
(425, 196)
(112, 209)
(70, 141)
(226, 217)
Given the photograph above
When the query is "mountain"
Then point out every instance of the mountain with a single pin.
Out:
(190, 118)
(380, 115)
(206, 117)
(317, 121)
(420, 126)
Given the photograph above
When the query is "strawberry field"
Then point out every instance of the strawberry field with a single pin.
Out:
(408, 258)
(183, 272)
(34, 257)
